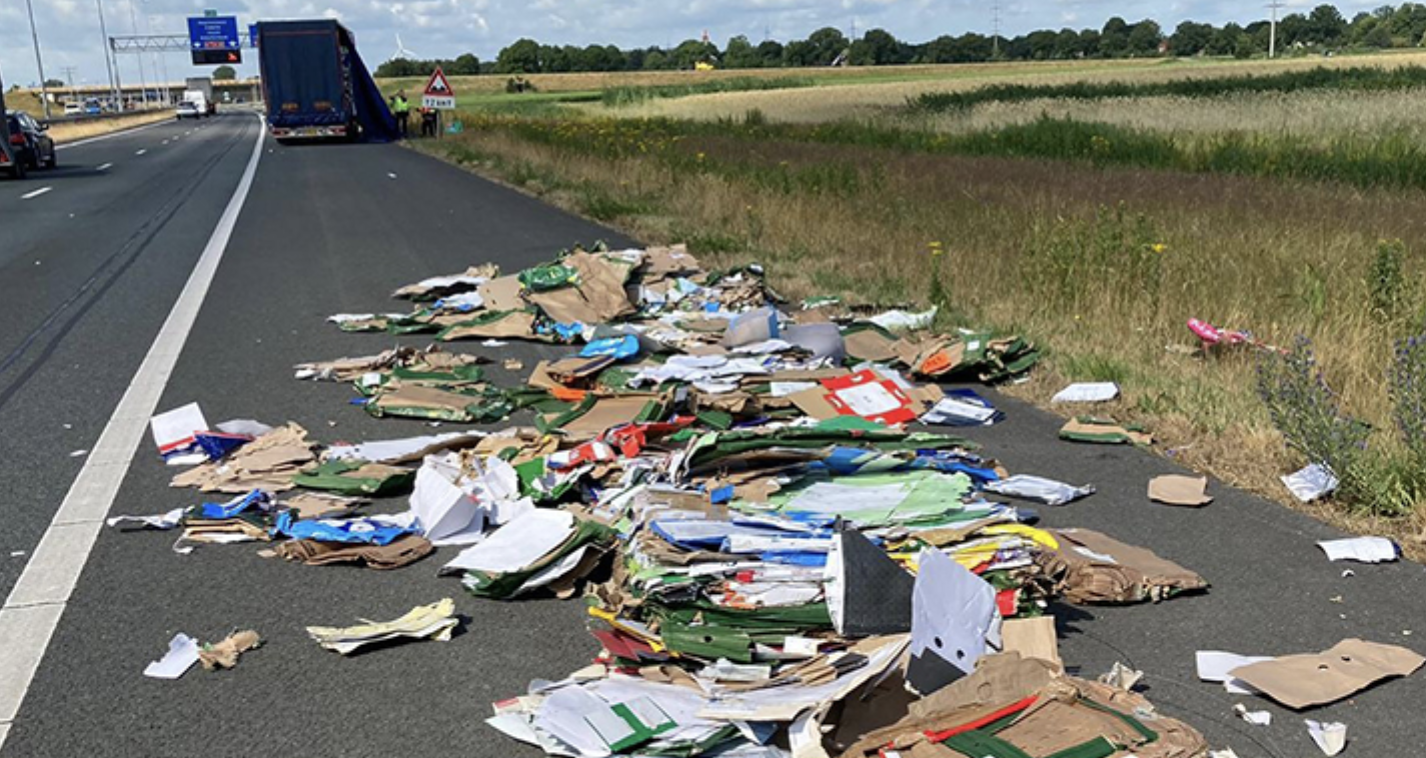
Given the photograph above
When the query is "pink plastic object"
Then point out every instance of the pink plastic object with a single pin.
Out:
(1212, 335)
(1205, 331)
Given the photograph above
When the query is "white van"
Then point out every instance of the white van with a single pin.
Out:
(199, 101)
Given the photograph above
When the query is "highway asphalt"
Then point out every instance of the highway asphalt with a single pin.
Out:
(335, 228)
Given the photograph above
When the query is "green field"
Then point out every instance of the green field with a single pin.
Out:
(1095, 207)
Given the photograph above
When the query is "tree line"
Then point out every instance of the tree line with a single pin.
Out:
(1322, 29)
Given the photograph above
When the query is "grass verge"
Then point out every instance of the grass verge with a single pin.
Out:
(1103, 265)
(72, 131)
(623, 96)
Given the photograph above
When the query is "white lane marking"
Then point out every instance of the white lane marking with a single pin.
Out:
(33, 609)
(104, 167)
(141, 152)
(36, 193)
(111, 135)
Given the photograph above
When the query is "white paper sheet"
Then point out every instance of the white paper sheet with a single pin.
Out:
(899, 320)
(1087, 392)
(182, 654)
(465, 301)
(1360, 549)
(389, 450)
(1331, 737)
(1256, 718)
(783, 389)
(161, 521)
(553, 571)
(1311, 483)
(785, 703)
(1039, 489)
(517, 544)
(1217, 666)
(442, 507)
(743, 544)
(244, 426)
(176, 428)
(953, 612)
(953, 408)
(456, 507)
(872, 399)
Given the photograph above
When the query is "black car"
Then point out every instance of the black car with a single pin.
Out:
(29, 143)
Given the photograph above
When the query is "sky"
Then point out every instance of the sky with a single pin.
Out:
(72, 46)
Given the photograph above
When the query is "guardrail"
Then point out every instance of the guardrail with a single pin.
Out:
(75, 118)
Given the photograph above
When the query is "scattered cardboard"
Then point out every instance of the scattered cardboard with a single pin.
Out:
(597, 298)
(267, 463)
(1032, 638)
(502, 294)
(1095, 568)
(1172, 489)
(1104, 431)
(512, 324)
(224, 654)
(607, 412)
(1307, 680)
(870, 345)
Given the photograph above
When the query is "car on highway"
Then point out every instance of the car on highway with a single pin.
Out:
(33, 148)
(188, 109)
(73, 109)
(93, 107)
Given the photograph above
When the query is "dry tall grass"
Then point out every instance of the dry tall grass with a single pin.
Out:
(1322, 113)
(1244, 253)
(71, 131)
(872, 99)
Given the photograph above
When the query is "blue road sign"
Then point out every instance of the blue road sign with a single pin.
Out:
(218, 33)
(252, 35)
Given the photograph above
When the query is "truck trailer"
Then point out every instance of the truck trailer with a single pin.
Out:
(316, 85)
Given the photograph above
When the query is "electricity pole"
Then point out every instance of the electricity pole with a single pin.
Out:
(159, 59)
(995, 34)
(143, 84)
(39, 62)
(1272, 29)
(69, 77)
(108, 62)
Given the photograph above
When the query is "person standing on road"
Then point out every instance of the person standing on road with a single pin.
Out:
(402, 108)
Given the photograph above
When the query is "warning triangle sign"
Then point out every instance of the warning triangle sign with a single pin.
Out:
(438, 86)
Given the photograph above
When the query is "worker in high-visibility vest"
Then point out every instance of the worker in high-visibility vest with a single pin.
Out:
(402, 108)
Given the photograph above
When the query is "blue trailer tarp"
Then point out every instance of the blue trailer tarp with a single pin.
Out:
(377, 122)
(313, 77)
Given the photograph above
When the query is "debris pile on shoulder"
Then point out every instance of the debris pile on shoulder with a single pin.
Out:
(780, 545)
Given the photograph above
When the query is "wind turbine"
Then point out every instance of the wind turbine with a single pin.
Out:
(401, 51)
